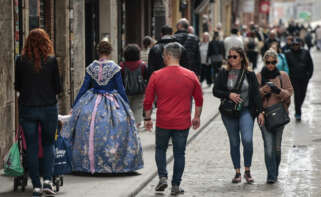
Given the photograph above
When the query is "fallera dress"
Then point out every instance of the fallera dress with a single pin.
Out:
(102, 128)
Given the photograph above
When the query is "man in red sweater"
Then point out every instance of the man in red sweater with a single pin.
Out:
(174, 87)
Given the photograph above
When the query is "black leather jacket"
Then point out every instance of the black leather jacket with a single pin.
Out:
(300, 64)
(191, 45)
(155, 59)
(221, 91)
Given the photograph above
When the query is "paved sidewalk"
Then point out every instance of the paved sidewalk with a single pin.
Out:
(209, 169)
(122, 185)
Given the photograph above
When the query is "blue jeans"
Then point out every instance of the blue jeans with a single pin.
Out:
(30, 118)
(234, 126)
(179, 139)
(272, 151)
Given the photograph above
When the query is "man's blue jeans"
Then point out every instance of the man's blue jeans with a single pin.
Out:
(179, 139)
(234, 126)
(30, 118)
(272, 151)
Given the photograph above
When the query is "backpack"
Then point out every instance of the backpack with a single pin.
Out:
(134, 82)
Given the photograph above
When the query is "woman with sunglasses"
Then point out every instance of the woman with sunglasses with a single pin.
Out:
(282, 64)
(251, 101)
(275, 87)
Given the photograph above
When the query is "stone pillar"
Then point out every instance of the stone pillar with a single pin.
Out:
(114, 29)
(63, 52)
(7, 93)
(77, 65)
(160, 20)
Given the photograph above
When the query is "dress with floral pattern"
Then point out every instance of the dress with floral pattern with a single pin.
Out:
(102, 128)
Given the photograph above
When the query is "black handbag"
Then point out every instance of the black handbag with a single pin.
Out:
(276, 115)
(227, 106)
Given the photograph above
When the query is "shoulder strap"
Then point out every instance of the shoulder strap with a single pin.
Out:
(239, 81)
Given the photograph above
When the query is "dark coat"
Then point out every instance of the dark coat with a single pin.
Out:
(155, 59)
(191, 45)
(216, 47)
(221, 91)
(300, 64)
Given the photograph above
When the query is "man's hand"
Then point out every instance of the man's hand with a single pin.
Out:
(148, 125)
(260, 119)
(196, 122)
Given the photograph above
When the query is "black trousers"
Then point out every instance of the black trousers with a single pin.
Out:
(300, 88)
(206, 74)
(216, 67)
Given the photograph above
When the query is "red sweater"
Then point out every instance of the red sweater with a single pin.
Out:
(174, 87)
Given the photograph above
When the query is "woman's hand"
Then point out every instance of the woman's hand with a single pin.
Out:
(236, 98)
(260, 119)
(266, 89)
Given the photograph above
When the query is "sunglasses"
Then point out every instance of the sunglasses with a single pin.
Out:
(272, 62)
(232, 56)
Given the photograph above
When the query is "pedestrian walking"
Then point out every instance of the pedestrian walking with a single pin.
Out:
(155, 59)
(282, 64)
(190, 42)
(148, 43)
(216, 54)
(318, 37)
(174, 86)
(102, 127)
(275, 89)
(205, 67)
(267, 44)
(233, 41)
(308, 39)
(251, 47)
(287, 46)
(134, 72)
(301, 70)
(37, 80)
(238, 89)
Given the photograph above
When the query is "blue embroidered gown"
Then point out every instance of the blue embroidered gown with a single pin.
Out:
(102, 127)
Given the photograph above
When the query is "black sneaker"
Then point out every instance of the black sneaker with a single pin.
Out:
(162, 185)
(48, 188)
(36, 192)
(176, 190)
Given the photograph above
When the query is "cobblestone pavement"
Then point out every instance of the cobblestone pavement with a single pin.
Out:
(209, 168)
(115, 185)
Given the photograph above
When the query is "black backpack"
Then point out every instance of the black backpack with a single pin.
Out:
(134, 82)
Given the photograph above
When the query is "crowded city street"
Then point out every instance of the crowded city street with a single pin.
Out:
(147, 98)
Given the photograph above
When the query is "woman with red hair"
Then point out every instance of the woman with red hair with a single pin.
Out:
(37, 81)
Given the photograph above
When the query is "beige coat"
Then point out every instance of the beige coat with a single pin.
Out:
(285, 94)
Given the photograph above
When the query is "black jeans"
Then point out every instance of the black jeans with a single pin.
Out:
(206, 74)
(179, 139)
(300, 88)
(30, 118)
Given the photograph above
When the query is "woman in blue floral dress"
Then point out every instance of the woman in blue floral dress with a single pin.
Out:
(102, 128)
